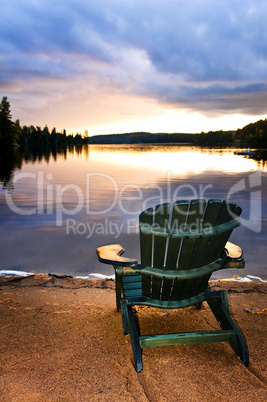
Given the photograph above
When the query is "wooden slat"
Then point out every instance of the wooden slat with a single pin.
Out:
(178, 290)
(191, 234)
(186, 338)
(183, 289)
(203, 254)
(179, 215)
(185, 273)
(143, 301)
(166, 288)
(156, 285)
(131, 278)
(161, 220)
(132, 285)
(217, 213)
(146, 217)
(162, 216)
(188, 288)
(195, 215)
(133, 292)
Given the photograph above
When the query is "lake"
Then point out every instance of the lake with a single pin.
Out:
(57, 208)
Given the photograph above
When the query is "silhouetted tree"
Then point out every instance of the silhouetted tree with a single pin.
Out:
(8, 130)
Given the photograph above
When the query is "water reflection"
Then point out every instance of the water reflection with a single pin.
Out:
(36, 154)
(260, 157)
(85, 197)
(180, 160)
(10, 159)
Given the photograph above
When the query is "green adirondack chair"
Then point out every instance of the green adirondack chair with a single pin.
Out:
(181, 245)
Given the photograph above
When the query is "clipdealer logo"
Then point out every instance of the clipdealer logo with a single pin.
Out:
(253, 186)
(50, 200)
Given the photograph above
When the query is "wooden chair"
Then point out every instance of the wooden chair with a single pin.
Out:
(181, 245)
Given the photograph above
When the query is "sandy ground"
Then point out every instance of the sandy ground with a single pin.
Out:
(62, 340)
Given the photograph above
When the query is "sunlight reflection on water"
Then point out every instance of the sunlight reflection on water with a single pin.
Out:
(99, 192)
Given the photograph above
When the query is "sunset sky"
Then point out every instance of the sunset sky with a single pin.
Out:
(114, 66)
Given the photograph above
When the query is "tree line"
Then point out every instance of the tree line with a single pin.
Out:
(36, 136)
(11, 133)
(253, 134)
(213, 138)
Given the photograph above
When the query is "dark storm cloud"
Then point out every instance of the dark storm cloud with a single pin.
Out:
(209, 56)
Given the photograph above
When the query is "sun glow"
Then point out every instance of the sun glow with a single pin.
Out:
(177, 160)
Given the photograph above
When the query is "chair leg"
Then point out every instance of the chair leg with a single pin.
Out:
(220, 310)
(137, 351)
(224, 299)
(124, 316)
(118, 283)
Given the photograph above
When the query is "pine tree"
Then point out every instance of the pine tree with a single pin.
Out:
(8, 133)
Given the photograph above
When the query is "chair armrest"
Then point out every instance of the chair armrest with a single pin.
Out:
(112, 255)
(234, 257)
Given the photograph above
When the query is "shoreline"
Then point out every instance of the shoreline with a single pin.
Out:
(98, 276)
(62, 339)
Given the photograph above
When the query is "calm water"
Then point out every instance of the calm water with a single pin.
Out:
(57, 209)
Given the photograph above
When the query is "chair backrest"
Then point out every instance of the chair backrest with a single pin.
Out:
(182, 236)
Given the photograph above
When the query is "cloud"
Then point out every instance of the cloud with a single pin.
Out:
(203, 56)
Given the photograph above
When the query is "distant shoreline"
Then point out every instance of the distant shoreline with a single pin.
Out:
(144, 143)
(212, 138)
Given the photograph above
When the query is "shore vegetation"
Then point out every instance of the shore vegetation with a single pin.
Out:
(12, 134)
